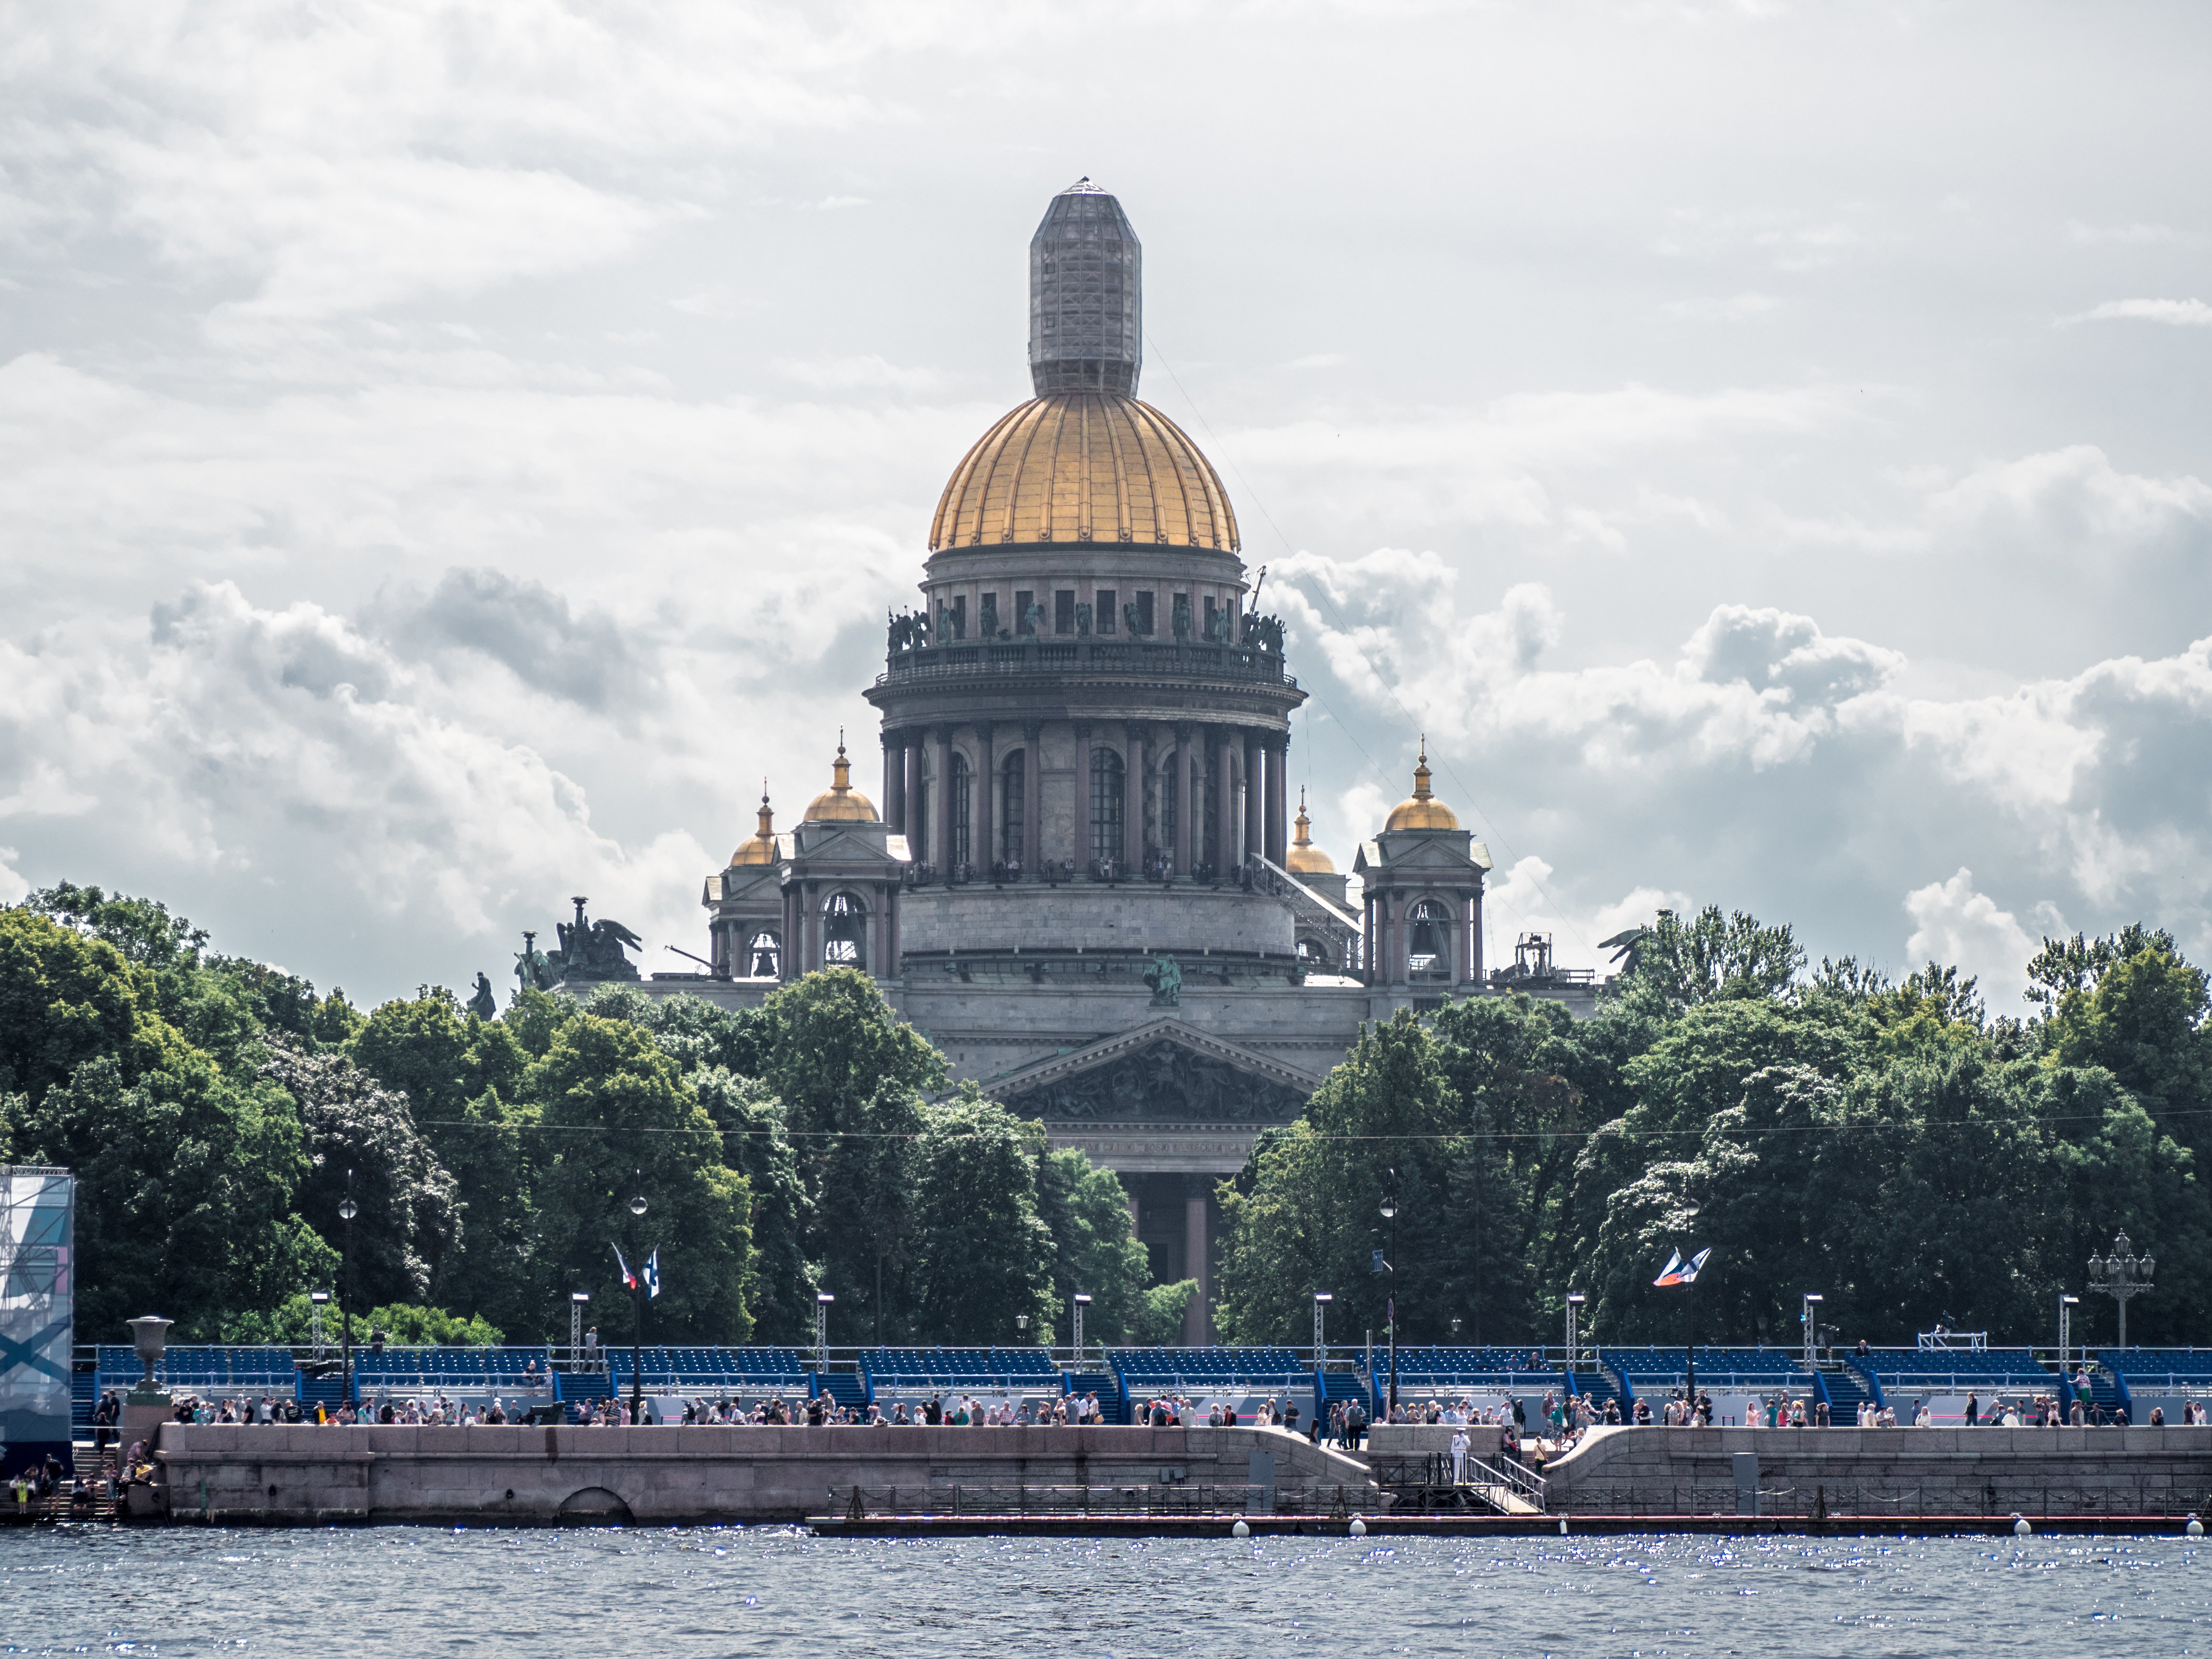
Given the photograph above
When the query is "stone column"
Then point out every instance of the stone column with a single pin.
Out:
(1133, 799)
(810, 927)
(1221, 852)
(1474, 937)
(891, 930)
(786, 956)
(1081, 817)
(1254, 805)
(1279, 799)
(894, 780)
(983, 798)
(940, 801)
(917, 832)
(1033, 798)
(1188, 806)
(1194, 1261)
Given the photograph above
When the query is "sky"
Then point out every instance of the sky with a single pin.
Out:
(449, 456)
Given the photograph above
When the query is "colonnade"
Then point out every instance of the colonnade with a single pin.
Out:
(1244, 768)
(1387, 928)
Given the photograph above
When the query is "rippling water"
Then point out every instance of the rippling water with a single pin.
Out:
(706, 1591)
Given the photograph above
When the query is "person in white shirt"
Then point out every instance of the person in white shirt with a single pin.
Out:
(1458, 1445)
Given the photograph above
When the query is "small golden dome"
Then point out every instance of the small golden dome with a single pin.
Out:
(1422, 809)
(1306, 859)
(841, 803)
(1080, 466)
(761, 849)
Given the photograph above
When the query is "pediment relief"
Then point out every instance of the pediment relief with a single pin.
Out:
(1163, 1071)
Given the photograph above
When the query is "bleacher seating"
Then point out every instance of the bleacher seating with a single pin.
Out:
(1951, 1370)
(1210, 1368)
(1645, 1369)
(913, 1369)
(202, 1369)
(412, 1369)
(728, 1370)
(1473, 1367)
(2156, 1374)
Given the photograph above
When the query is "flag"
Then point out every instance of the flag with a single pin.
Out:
(1678, 1272)
(630, 1278)
(652, 1271)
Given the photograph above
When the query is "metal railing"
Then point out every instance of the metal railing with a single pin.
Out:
(1178, 659)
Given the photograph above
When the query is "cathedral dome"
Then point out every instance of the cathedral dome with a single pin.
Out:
(1421, 810)
(1084, 467)
(1306, 859)
(761, 849)
(840, 803)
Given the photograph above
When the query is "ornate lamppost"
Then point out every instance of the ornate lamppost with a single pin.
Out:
(637, 1207)
(1390, 1215)
(347, 1210)
(2121, 1275)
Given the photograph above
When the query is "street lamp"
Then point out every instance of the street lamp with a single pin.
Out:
(1321, 1299)
(2121, 1275)
(347, 1210)
(1390, 1215)
(822, 1301)
(1805, 1317)
(637, 1207)
(1022, 1326)
(1082, 1301)
(1575, 1300)
(2066, 1306)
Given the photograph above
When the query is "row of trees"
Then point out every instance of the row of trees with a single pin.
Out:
(218, 1112)
(1888, 1144)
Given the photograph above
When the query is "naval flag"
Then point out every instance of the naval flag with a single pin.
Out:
(1678, 1272)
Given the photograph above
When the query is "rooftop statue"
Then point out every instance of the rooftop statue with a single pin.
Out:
(533, 966)
(593, 949)
(1166, 979)
(483, 1004)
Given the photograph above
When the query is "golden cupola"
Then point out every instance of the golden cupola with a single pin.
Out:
(840, 803)
(1421, 810)
(1306, 859)
(761, 849)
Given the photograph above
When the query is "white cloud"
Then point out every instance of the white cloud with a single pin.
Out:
(2135, 235)
(2179, 313)
(13, 887)
(1954, 926)
(1733, 309)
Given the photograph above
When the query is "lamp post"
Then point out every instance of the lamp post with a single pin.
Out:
(1022, 1328)
(1390, 1215)
(1575, 1300)
(1321, 1299)
(317, 1301)
(1082, 1301)
(2121, 1275)
(637, 1207)
(2066, 1306)
(576, 1301)
(822, 1301)
(347, 1210)
(1806, 1315)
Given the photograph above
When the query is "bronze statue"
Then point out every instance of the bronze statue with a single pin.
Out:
(1166, 981)
(483, 1004)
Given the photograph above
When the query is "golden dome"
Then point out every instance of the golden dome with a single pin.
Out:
(1080, 466)
(840, 803)
(1306, 859)
(761, 849)
(1422, 810)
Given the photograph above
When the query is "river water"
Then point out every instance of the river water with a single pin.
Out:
(710, 1591)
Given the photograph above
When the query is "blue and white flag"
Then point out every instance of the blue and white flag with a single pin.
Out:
(652, 1271)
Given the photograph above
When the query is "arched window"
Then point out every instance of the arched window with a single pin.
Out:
(1429, 950)
(1011, 839)
(1105, 808)
(1314, 955)
(962, 794)
(763, 957)
(845, 932)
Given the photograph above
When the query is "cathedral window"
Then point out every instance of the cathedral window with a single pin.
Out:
(1105, 809)
(1429, 952)
(1105, 611)
(1016, 799)
(845, 932)
(1145, 611)
(1063, 611)
(764, 955)
(960, 616)
(962, 794)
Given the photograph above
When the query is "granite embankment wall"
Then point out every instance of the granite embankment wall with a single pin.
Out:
(296, 1476)
(1878, 1472)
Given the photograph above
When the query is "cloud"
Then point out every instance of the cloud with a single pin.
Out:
(1319, 360)
(1954, 926)
(1733, 309)
(13, 887)
(2135, 235)
(2178, 314)
(584, 657)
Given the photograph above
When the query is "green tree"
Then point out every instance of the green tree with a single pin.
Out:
(1086, 1211)
(980, 1255)
(784, 1281)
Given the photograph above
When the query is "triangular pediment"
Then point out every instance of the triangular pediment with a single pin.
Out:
(1163, 1071)
(867, 843)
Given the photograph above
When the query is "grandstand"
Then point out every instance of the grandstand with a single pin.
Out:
(206, 1369)
(2144, 1378)
(743, 1372)
(1737, 1378)
(1944, 1377)
(924, 1370)
(413, 1370)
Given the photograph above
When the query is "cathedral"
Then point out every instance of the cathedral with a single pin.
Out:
(1079, 876)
